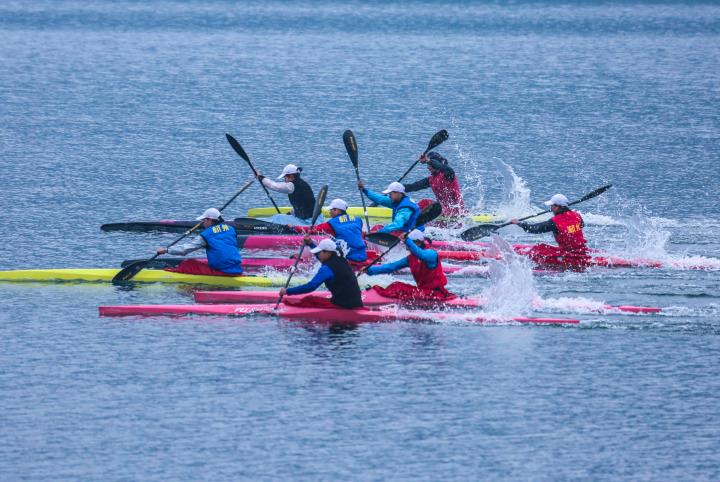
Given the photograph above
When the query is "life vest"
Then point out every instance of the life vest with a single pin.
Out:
(344, 287)
(448, 194)
(406, 203)
(425, 277)
(349, 229)
(569, 236)
(302, 199)
(222, 248)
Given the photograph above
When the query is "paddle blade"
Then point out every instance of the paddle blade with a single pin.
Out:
(261, 227)
(129, 272)
(429, 213)
(591, 195)
(383, 239)
(351, 147)
(319, 203)
(237, 147)
(479, 231)
(437, 139)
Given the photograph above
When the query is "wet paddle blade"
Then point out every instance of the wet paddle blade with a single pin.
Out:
(351, 147)
(261, 227)
(382, 239)
(437, 139)
(429, 214)
(129, 272)
(479, 231)
(239, 150)
(319, 203)
(593, 194)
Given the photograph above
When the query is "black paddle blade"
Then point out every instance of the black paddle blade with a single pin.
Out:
(351, 147)
(129, 272)
(479, 231)
(591, 195)
(437, 139)
(319, 203)
(383, 239)
(261, 227)
(237, 147)
(429, 213)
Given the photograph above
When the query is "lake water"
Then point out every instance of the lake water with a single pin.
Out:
(114, 111)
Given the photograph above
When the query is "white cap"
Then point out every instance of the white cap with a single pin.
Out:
(289, 169)
(394, 187)
(416, 235)
(557, 200)
(338, 204)
(326, 244)
(211, 213)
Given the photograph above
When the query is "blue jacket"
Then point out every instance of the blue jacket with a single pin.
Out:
(428, 256)
(222, 248)
(349, 229)
(404, 213)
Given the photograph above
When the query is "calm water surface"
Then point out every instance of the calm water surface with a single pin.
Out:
(117, 111)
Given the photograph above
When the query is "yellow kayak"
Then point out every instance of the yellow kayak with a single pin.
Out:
(377, 214)
(145, 276)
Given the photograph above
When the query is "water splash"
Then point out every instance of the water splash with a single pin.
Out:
(512, 288)
(646, 237)
(516, 202)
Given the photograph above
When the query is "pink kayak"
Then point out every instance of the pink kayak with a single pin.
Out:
(327, 315)
(373, 298)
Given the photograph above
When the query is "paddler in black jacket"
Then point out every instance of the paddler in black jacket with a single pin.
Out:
(337, 275)
(299, 192)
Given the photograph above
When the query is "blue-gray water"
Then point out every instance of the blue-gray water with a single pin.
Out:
(115, 111)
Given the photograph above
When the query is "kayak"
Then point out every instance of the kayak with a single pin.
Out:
(328, 315)
(248, 264)
(377, 213)
(373, 298)
(144, 276)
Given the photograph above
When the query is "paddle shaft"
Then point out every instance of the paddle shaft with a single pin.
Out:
(316, 213)
(362, 197)
(241, 152)
(382, 255)
(130, 271)
(434, 142)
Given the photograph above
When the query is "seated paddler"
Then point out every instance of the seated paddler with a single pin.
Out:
(299, 193)
(426, 269)
(343, 227)
(335, 273)
(404, 211)
(221, 248)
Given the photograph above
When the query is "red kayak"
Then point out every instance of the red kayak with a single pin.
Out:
(373, 298)
(327, 315)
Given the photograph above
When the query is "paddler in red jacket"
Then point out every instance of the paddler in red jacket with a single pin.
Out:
(444, 184)
(426, 268)
(567, 227)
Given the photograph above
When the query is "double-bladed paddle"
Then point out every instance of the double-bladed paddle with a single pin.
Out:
(261, 227)
(389, 241)
(129, 272)
(316, 213)
(352, 150)
(436, 140)
(241, 152)
(482, 230)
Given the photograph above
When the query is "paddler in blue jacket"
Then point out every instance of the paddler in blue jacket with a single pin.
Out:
(426, 268)
(404, 211)
(337, 275)
(343, 227)
(221, 247)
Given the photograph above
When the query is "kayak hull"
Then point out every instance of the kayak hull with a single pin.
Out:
(381, 214)
(145, 276)
(324, 315)
(373, 298)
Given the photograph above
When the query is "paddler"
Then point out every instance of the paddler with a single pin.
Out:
(426, 268)
(404, 211)
(567, 227)
(444, 184)
(337, 275)
(344, 227)
(221, 248)
(299, 192)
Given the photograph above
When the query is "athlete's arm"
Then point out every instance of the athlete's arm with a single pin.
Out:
(377, 198)
(389, 267)
(418, 185)
(401, 218)
(186, 248)
(283, 187)
(324, 274)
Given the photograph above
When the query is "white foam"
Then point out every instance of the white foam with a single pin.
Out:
(512, 288)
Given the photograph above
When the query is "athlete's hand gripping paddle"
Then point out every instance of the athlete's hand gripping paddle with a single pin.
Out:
(352, 150)
(482, 230)
(241, 152)
(436, 140)
(129, 272)
(316, 213)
